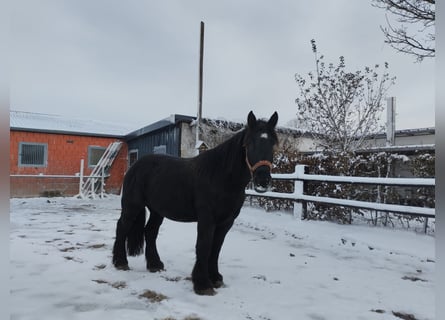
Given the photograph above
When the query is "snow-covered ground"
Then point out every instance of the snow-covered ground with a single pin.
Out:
(274, 267)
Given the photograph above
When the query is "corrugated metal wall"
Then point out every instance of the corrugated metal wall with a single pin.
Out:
(147, 143)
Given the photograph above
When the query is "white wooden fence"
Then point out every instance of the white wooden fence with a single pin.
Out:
(299, 177)
(90, 181)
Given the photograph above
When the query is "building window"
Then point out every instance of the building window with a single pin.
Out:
(132, 156)
(94, 155)
(162, 149)
(33, 154)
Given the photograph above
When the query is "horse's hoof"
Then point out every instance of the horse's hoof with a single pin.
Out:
(155, 266)
(218, 284)
(205, 292)
(123, 267)
(155, 269)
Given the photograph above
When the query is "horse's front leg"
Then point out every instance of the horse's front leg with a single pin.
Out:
(218, 239)
(200, 274)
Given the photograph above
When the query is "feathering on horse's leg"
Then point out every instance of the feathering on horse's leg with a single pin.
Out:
(218, 240)
(119, 253)
(200, 274)
(129, 236)
(154, 263)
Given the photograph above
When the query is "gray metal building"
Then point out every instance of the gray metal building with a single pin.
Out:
(163, 136)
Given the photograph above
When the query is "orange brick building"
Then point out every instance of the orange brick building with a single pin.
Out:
(46, 152)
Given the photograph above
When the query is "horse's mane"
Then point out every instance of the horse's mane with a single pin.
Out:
(225, 159)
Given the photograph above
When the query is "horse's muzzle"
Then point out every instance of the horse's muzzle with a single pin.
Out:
(262, 179)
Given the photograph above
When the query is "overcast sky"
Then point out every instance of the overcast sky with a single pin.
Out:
(136, 62)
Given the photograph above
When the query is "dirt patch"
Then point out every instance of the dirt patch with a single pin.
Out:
(378, 310)
(186, 318)
(100, 281)
(153, 296)
(115, 285)
(96, 246)
(404, 316)
(400, 315)
(172, 279)
(119, 285)
(413, 278)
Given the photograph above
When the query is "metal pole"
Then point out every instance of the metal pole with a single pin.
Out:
(390, 121)
(201, 67)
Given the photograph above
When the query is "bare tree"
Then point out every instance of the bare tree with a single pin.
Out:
(341, 108)
(415, 34)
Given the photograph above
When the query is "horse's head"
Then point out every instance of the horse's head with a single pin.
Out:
(259, 142)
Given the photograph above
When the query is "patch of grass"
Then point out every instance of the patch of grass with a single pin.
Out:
(153, 296)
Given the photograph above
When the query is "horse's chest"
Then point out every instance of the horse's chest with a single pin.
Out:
(228, 203)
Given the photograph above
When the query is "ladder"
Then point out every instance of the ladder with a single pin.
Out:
(89, 187)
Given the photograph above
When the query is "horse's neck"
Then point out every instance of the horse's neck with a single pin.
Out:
(234, 160)
(227, 161)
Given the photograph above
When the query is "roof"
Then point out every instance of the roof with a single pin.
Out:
(403, 149)
(48, 123)
(161, 124)
(409, 132)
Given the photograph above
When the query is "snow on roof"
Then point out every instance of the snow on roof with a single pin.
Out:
(40, 122)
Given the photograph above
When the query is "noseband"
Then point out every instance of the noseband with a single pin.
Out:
(257, 165)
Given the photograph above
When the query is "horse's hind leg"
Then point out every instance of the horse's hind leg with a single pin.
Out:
(129, 235)
(154, 263)
(119, 253)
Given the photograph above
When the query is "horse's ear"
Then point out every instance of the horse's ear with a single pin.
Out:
(273, 120)
(251, 120)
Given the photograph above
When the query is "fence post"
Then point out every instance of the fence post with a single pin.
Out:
(299, 206)
(102, 183)
(81, 179)
(93, 182)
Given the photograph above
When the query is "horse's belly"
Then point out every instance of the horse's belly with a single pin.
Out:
(175, 211)
(182, 218)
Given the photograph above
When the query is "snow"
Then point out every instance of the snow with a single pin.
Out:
(300, 175)
(274, 267)
(48, 123)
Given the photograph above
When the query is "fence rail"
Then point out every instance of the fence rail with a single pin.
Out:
(300, 199)
(80, 177)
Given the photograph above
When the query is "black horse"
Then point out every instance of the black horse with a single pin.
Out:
(208, 189)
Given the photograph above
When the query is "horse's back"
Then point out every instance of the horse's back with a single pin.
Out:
(162, 183)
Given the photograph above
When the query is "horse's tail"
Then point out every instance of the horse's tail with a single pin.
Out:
(135, 237)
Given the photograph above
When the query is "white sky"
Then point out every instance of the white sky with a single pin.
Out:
(136, 62)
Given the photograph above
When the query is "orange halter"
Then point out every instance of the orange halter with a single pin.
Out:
(257, 165)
